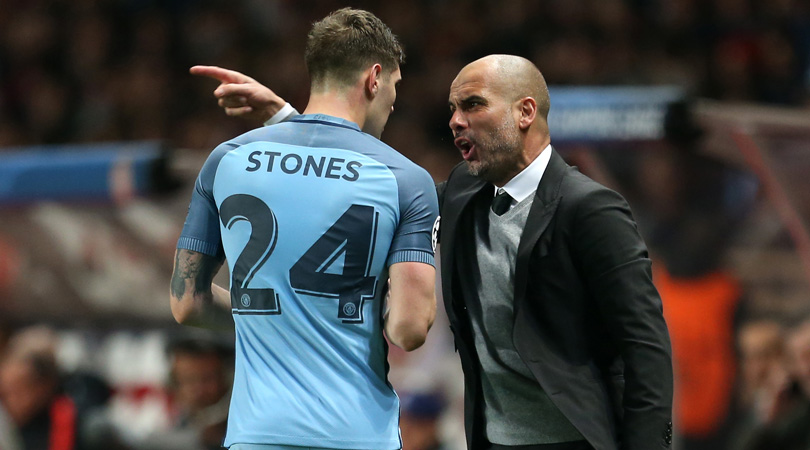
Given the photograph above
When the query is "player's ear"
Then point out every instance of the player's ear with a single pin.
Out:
(372, 80)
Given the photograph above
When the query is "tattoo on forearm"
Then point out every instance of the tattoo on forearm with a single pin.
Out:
(199, 268)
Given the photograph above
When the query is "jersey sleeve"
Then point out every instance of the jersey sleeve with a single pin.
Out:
(419, 209)
(201, 232)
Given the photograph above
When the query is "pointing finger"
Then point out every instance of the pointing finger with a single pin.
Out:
(220, 74)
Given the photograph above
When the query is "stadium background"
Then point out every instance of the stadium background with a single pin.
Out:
(102, 131)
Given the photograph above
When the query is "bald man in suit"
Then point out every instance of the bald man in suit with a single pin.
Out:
(546, 282)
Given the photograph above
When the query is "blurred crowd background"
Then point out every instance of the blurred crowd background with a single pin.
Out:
(89, 356)
(90, 70)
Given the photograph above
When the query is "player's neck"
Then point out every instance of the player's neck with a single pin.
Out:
(335, 104)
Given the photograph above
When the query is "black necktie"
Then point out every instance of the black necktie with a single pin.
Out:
(501, 202)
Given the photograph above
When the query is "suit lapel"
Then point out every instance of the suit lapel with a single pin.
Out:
(546, 199)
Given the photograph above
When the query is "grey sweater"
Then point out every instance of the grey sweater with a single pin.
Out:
(517, 410)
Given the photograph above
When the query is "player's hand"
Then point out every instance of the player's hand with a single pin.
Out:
(241, 96)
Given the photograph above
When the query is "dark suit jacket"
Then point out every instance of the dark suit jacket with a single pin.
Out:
(588, 321)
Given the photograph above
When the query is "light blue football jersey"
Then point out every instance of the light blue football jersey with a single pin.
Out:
(310, 213)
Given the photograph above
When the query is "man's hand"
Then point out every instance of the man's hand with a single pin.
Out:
(241, 96)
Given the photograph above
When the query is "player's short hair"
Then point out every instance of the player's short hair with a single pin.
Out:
(346, 42)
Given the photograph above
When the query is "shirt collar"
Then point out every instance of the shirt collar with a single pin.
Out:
(325, 118)
(522, 185)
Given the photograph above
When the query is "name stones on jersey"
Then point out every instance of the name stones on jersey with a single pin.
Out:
(293, 163)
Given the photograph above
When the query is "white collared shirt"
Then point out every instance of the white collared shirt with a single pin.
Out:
(524, 184)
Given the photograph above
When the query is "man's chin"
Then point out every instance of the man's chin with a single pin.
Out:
(474, 167)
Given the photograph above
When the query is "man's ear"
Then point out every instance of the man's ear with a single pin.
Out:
(372, 84)
(528, 112)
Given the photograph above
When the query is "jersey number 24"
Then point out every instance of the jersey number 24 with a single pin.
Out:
(352, 237)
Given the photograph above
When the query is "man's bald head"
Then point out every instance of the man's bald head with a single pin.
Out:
(514, 77)
(499, 107)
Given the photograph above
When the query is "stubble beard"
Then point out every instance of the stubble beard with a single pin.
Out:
(498, 152)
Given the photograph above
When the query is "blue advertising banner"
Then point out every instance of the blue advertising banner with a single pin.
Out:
(95, 172)
(610, 114)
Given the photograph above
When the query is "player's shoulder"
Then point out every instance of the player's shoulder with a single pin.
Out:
(258, 134)
(262, 134)
(400, 165)
(390, 153)
(209, 168)
(410, 172)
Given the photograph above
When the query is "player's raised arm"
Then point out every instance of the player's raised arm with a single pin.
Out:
(240, 95)
(411, 304)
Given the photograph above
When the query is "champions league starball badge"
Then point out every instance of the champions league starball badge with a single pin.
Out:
(435, 238)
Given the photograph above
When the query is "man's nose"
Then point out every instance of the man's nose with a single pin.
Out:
(457, 122)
